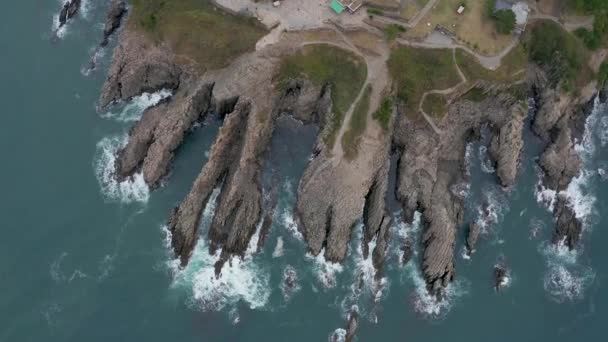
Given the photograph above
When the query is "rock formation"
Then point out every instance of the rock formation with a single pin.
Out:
(472, 237)
(431, 165)
(118, 9)
(560, 121)
(68, 11)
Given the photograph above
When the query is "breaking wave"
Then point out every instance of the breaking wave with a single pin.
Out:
(338, 335)
(286, 211)
(133, 189)
(241, 279)
(325, 271)
(427, 305)
(565, 278)
(133, 110)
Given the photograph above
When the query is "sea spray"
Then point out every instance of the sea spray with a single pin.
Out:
(134, 109)
(325, 271)
(241, 279)
(132, 189)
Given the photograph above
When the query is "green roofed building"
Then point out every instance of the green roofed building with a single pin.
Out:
(336, 6)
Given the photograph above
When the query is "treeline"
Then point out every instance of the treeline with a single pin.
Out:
(598, 36)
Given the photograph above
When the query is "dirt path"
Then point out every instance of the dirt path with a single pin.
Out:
(377, 78)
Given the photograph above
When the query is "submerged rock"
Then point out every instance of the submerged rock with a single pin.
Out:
(501, 276)
(472, 237)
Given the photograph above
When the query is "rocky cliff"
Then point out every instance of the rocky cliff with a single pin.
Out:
(432, 165)
(560, 122)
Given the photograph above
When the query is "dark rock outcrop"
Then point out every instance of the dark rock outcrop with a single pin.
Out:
(431, 164)
(352, 326)
(139, 66)
(118, 9)
(560, 122)
(68, 11)
(154, 139)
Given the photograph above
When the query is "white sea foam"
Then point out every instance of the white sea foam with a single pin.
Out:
(565, 278)
(338, 335)
(278, 249)
(133, 189)
(563, 284)
(544, 196)
(581, 198)
(133, 110)
(428, 305)
(325, 271)
(484, 159)
(241, 279)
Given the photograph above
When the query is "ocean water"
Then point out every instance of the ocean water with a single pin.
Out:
(83, 258)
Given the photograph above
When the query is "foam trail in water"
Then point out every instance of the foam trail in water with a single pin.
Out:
(278, 250)
(133, 110)
(133, 189)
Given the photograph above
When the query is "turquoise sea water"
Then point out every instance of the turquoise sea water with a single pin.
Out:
(83, 259)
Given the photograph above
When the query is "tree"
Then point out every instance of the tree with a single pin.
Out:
(504, 20)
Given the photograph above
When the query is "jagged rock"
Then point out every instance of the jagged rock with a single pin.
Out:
(69, 10)
(473, 237)
(560, 120)
(560, 161)
(290, 282)
(568, 227)
(430, 165)
(184, 220)
(506, 147)
(332, 194)
(118, 9)
(153, 139)
(351, 327)
(138, 66)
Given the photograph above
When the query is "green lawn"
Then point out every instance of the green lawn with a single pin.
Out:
(416, 71)
(435, 105)
(512, 67)
(384, 113)
(197, 30)
(357, 124)
(325, 64)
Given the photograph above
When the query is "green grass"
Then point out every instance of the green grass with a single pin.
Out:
(352, 137)
(416, 71)
(392, 31)
(384, 113)
(325, 64)
(435, 105)
(196, 30)
(560, 54)
(510, 69)
(476, 94)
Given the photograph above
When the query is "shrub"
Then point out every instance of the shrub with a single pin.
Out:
(504, 21)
